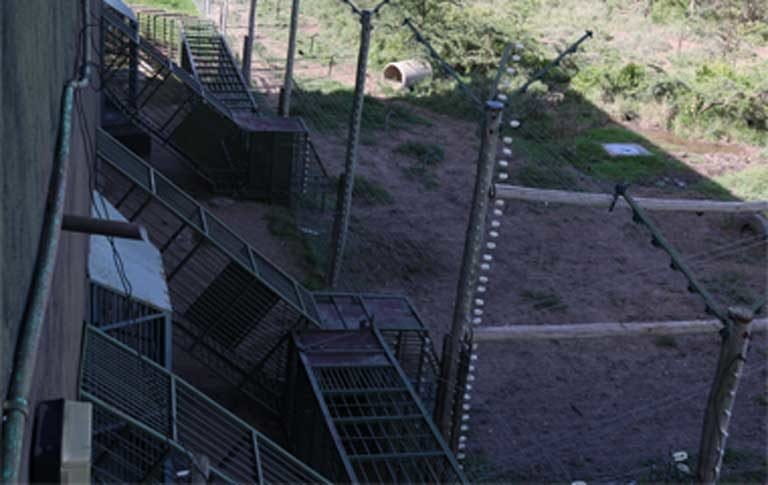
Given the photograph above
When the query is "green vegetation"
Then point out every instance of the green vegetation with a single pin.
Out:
(543, 300)
(666, 341)
(371, 192)
(181, 6)
(426, 157)
(748, 184)
(282, 225)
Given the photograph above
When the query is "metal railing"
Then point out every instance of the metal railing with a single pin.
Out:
(233, 308)
(136, 398)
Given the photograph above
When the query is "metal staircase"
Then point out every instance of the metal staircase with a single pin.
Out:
(150, 426)
(354, 416)
(207, 55)
(233, 309)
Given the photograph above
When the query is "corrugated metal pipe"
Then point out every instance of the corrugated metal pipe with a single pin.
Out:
(16, 407)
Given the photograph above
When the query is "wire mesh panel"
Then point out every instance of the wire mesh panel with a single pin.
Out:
(400, 326)
(233, 308)
(119, 379)
(380, 428)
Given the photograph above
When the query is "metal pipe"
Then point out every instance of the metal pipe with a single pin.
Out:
(104, 227)
(248, 47)
(16, 407)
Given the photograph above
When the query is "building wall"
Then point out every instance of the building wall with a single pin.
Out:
(39, 53)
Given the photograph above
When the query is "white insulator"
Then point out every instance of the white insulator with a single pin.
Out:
(498, 212)
(471, 378)
(514, 124)
(490, 245)
(507, 151)
(487, 257)
(467, 396)
(495, 223)
(427, 340)
(478, 312)
(519, 46)
(461, 467)
(479, 302)
(471, 368)
(511, 71)
(464, 428)
(462, 446)
(475, 346)
(481, 289)
(502, 97)
(503, 163)
(460, 456)
(462, 439)
(468, 387)
(499, 202)
(483, 279)
(477, 321)
(507, 140)
(465, 417)
(516, 58)
(503, 176)
(485, 267)
(473, 357)
(494, 234)
(466, 407)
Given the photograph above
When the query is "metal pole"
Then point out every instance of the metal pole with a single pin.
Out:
(473, 248)
(341, 224)
(733, 354)
(105, 227)
(248, 47)
(285, 95)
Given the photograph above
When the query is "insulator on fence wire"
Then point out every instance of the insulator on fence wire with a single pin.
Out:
(478, 312)
(516, 58)
(473, 357)
(507, 140)
(479, 302)
(471, 368)
(477, 321)
(498, 213)
(485, 267)
(506, 151)
(475, 346)
(461, 456)
(468, 387)
(499, 202)
(467, 396)
(494, 234)
(464, 428)
(483, 279)
(487, 257)
(466, 407)
(514, 124)
(462, 439)
(502, 97)
(511, 71)
(503, 163)
(471, 378)
(481, 289)
(503, 176)
(519, 46)
(465, 417)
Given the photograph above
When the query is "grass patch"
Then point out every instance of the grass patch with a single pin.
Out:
(748, 184)
(327, 105)
(666, 341)
(543, 300)
(282, 225)
(371, 192)
(593, 159)
(425, 156)
(180, 6)
(731, 286)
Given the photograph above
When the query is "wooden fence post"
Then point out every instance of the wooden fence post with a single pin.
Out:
(733, 353)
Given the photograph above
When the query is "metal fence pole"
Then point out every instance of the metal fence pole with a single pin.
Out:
(248, 47)
(285, 94)
(341, 225)
(733, 353)
(473, 248)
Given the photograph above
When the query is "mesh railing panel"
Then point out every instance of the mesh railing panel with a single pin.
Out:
(120, 378)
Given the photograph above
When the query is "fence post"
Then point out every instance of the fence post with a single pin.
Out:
(733, 353)
(341, 224)
(248, 47)
(468, 276)
(285, 94)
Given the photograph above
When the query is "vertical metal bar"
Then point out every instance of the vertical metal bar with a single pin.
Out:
(469, 268)
(341, 225)
(257, 457)
(285, 94)
(174, 426)
(168, 341)
(133, 71)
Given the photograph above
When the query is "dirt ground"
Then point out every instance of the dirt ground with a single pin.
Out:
(605, 410)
